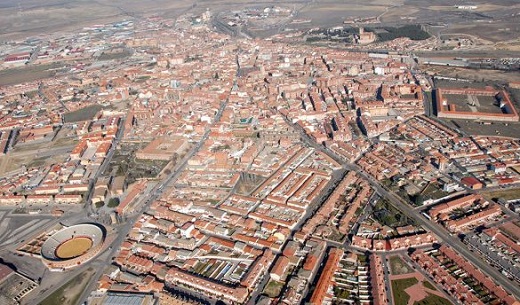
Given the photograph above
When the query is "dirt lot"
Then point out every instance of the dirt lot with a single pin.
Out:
(489, 21)
(508, 194)
(31, 17)
(39, 154)
(482, 103)
(474, 74)
(26, 74)
(69, 293)
(398, 266)
(471, 127)
(83, 114)
(11, 162)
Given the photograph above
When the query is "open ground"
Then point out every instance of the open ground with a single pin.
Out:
(69, 293)
(493, 23)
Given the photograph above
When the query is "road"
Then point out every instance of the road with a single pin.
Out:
(336, 178)
(428, 107)
(452, 241)
(34, 55)
(151, 196)
(402, 205)
(493, 254)
(416, 267)
(386, 275)
(101, 170)
(310, 142)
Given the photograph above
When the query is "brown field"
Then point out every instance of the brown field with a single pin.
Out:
(69, 293)
(48, 16)
(474, 74)
(509, 194)
(489, 21)
(481, 7)
(496, 32)
(394, 14)
(73, 247)
(26, 74)
(337, 11)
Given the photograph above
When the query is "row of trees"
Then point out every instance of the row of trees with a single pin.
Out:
(413, 31)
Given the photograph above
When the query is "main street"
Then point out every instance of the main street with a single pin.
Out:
(446, 237)
(337, 176)
(105, 259)
(409, 211)
(149, 198)
(102, 168)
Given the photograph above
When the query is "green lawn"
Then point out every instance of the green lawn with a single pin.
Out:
(429, 285)
(433, 300)
(398, 287)
(113, 202)
(273, 289)
(398, 266)
(341, 293)
(433, 191)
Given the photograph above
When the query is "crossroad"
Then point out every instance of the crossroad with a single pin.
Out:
(149, 197)
(154, 193)
(409, 211)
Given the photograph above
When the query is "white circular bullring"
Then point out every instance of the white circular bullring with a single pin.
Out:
(73, 243)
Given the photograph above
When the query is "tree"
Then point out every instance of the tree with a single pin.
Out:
(418, 199)
(113, 202)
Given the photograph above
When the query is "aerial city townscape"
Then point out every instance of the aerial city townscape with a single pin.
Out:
(275, 152)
